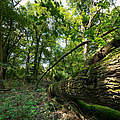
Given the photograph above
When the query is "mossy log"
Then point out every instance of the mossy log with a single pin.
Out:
(100, 85)
(95, 112)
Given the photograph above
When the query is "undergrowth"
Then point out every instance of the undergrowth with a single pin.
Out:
(29, 104)
(26, 105)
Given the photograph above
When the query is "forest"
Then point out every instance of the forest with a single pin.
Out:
(60, 60)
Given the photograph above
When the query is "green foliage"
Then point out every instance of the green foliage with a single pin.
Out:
(25, 104)
(38, 34)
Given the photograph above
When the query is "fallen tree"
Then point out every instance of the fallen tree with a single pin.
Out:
(99, 87)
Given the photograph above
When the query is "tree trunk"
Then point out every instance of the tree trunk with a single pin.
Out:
(1, 69)
(100, 85)
(1, 51)
(1, 57)
(28, 67)
(36, 56)
(5, 60)
(36, 61)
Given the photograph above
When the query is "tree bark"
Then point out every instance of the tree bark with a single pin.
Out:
(1, 52)
(28, 67)
(36, 54)
(1, 59)
(105, 51)
(100, 85)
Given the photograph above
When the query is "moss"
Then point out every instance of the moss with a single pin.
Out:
(100, 112)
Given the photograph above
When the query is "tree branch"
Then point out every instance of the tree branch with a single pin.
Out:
(104, 51)
(17, 3)
(92, 18)
(81, 44)
(104, 34)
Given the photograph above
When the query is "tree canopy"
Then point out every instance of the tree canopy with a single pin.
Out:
(36, 35)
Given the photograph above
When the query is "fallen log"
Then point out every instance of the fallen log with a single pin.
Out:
(100, 86)
(104, 51)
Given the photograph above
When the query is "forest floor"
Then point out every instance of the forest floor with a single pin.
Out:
(29, 104)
